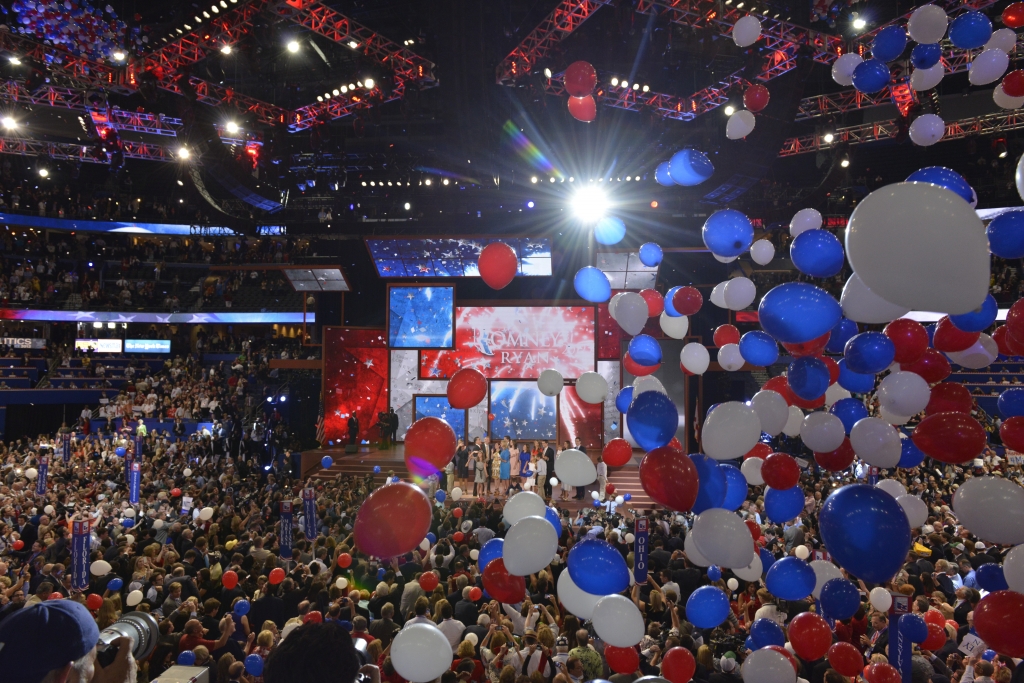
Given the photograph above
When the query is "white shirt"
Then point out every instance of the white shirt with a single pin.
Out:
(602, 469)
(771, 612)
(452, 630)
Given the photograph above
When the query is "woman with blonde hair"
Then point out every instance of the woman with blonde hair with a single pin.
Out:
(107, 614)
(705, 658)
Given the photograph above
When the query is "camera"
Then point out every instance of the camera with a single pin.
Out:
(139, 627)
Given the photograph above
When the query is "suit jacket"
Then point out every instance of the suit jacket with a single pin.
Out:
(466, 611)
(268, 607)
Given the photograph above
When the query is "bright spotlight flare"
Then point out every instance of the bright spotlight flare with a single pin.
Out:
(687, 167)
(590, 204)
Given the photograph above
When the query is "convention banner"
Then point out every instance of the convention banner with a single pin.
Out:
(309, 512)
(134, 480)
(286, 530)
(66, 446)
(80, 555)
(641, 549)
(43, 470)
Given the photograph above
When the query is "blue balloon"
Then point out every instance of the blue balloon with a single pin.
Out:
(782, 505)
(889, 43)
(841, 333)
(326, 462)
(979, 319)
(623, 399)
(376, 469)
(767, 559)
(713, 483)
(911, 455)
(855, 382)
(970, 30)
(596, 504)
(765, 632)
(1011, 403)
(689, 167)
(187, 658)
(758, 348)
(597, 567)
(345, 624)
(808, 376)
(662, 176)
(840, 598)
(241, 608)
(849, 411)
(254, 665)
(946, 178)
(120, 451)
(431, 537)
(609, 230)
(790, 579)
(127, 523)
(707, 607)
(714, 573)
(439, 496)
(652, 420)
(645, 350)
(817, 253)
(989, 655)
(490, 551)
(991, 578)
(650, 254)
(669, 308)
(380, 573)
(1006, 235)
(925, 56)
(797, 312)
(728, 233)
(748, 644)
(115, 583)
(551, 514)
(592, 284)
(735, 487)
(869, 353)
(865, 531)
(395, 479)
(870, 76)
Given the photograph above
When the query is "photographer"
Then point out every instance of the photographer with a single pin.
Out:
(323, 653)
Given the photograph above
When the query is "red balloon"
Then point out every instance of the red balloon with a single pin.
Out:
(94, 601)
(457, 513)
(687, 300)
(622, 660)
(813, 347)
(678, 665)
(475, 593)
(675, 443)
(1015, 319)
(670, 478)
(837, 460)
(810, 635)
(313, 617)
(881, 673)
(392, 520)
(55, 596)
(501, 585)
(950, 437)
(229, 579)
(932, 366)
(755, 530)
(18, 544)
(617, 453)
(583, 108)
(756, 97)
(780, 386)
(780, 471)
(833, 370)
(909, 337)
(1008, 346)
(1012, 433)
(948, 338)
(497, 265)
(609, 489)
(467, 388)
(936, 638)
(655, 305)
(276, 576)
(490, 416)
(429, 446)
(997, 619)
(786, 653)
(846, 659)
(726, 334)
(1013, 16)
(934, 616)
(635, 369)
(580, 79)
(760, 450)
(429, 581)
(804, 403)
(175, 493)
(949, 397)
(1013, 82)
(458, 537)
(344, 560)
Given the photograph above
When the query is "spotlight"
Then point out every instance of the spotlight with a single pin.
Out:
(624, 83)
(44, 173)
(1001, 150)
(408, 206)
(353, 44)
(183, 153)
(859, 24)
(615, 81)
(844, 161)
(552, 179)
(283, 398)
(828, 137)
(571, 179)
(444, 182)
(364, 183)
(646, 88)
(335, 92)
(636, 86)
(231, 127)
(533, 179)
(118, 56)
(368, 83)
(14, 60)
(351, 86)
(654, 204)
(226, 50)
(181, 183)
(589, 204)
(293, 46)
(214, 9)
(530, 204)
(729, 110)
(427, 182)
(344, 89)
(9, 123)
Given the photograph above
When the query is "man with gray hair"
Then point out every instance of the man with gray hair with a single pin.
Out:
(385, 628)
(466, 609)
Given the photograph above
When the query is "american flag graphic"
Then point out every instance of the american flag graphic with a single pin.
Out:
(320, 432)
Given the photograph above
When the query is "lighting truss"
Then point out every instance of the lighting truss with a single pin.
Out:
(78, 152)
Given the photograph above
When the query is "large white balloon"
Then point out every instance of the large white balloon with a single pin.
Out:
(419, 651)
(880, 598)
(927, 129)
(835, 393)
(772, 410)
(843, 68)
(631, 313)
(892, 487)
(980, 355)
(647, 383)
(740, 125)
(822, 432)
(751, 469)
(762, 252)
(904, 393)
(134, 598)
(823, 571)
(550, 382)
(614, 302)
(920, 246)
(767, 666)
(574, 468)
(1005, 101)
(892, 418)
(989, 66)
(722, 538)
(617, 621)
(876, 442)
(804, 220)
(730, 431)
(992, 509)
(592, 387)
(926, 79)
(693, 553)
(695, 358)
(861, 305)
(794, 423)
(739, 293)
(746, 31)
(529, 545)
(752, 572)
(523, 504)
(915, 508)
(725, 259)
(1004, 39)
(205, 514)
(575, 599)
(1019, 177)
(717, 296)
(730, 358)
(927, 24)
(675, 327)
(1013, 568)
(99, 568)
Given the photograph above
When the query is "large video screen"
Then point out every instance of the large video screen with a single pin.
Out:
(147, 345)
(99, 345)
(453, 257)
(420, 317)
(517, 343)
(520, 411)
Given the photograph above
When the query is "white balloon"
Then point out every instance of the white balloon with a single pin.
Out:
(892, 487)
(205, 514)
(822, 432)
(529, 545)
(835, 393)
(574, 468)
(904, 393)
(187, 472)
(730, 358)
(693, 553)
(926, 79)
(719, 535)
(523, 504)
(861, 305)
(717, 296)
(1013, 568)
(675, 327)
(342, 582)
(695, 358)
(927, 24)
(753, 571)
(823, 571)
(425, 544)
(99, 568)
(772, 410)
(740, 125)
(595, 495)
(730, 431)
(474, 554)
(550, 382)
(158, 524)
(928, 129)
(554, 481)
(1005, 101)
(725, 259)
(876, 442)
(647, 383)
(751, 469)
(794, 423)
(991, 508)
(419, 651)
(619, 500)
(989, 66)
(575, 599)
(1004, 39)
(592, 387)
(631, 313)
(801, 552)
(767, 666)
(49, 510)
(617, 621)
(880, 599)
(613, 302)
(739, 293)
(133, 598)
(128, 512)
(920, 246)
(733, 584)
(980, 355)
(456, 493)
(746, 31)
(762, 252)
(892, 418)
(1019, 177)
(804, 220)
(31, 473)
(915, 508)
(843, 68)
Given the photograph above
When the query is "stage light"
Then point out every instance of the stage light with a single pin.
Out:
(646, 88)
(590, 204)
(615, 80)
(859, 24)
(654, 204)
(319, 98)
(369, 83)
(226, 50)
(231, 127)
(445, 181)
(408, 206)
(293, 46)
(118, 56)
(729, 110)
(628, 179)
(183, 153)
(359, 84)
(327, 95)
(373, 184)
(552, 179)
(335, 92)
(427, 182)
(828, 137)
(14, 60)
(533, 180)
(344, 89)
(624, 83)
(547, 72)
(353, 44)
(283, 398)
(571, 179)
(530, 204)
(351, 86)
(215, 9)
(636, 178)
(9, 123)
(44, 173)
(1001, 149)
(364, 183)
(844, 161)
(636, 86)
(181, 184)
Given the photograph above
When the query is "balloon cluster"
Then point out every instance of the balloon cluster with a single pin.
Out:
(84, 30)
(687, 167)
(580, 80)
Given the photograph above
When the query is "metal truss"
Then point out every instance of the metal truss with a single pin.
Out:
(78, 152)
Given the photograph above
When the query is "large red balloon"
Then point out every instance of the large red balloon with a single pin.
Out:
(429, 446)
(1008, 346)
(635, 369)
(755, 530)
(229, 579)
(670, 478)
(1013, 16)
(780, 471)
(949, 397)
(780, 386)
(392, 520)
(94, 601)
(1012, 433)
(934, 616)
(655, 302)
(726, 334)
(950, 437)
(813, 347)
(1013, 82)
(932, 366)
(502, 586)
(846, 659)
(466, 389)
(678, 665)
(997, 619)
(583, 108)
(837, 460)
(910, 339)
(810, 636)
(580, 79)
(948, 338)
(756, 97)
(1015, 320)
(881, 672)
(617, 453)
(622, 660)
(936, 638)
(497, 264)
(428, 581)
(687, 300)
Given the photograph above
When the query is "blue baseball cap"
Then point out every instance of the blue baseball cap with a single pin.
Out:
(38, 639)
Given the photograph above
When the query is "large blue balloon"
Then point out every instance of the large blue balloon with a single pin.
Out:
(797, 312)
(970, 30)
(911, 455)
(650, 254)
(1011, 403)
(808, 376)
(765, 632)
(782, 505)
(869, 353)
(670, 310)
(855, 382)
(688, 167)
(662, 175)
(254, 665)
(713, 483)
(840, 598)
(592, 284)
(925, 56)
(870, 76)
(728, 233)
(623, 399)
(597, 567)
(707, 607)
(652, 420)
(489, 552)
(790, 579)
(946, 178)
(889, 43)
(841, 333)
(758, 348)
(865, 531)
(817, 253)
(187, 658)
(767, 559)
(849, 411)
(645, 350)
(991, 578)
(120, 451)
(609, 230)
(115, 583)
(735, 487)
(551, 514)
(1006, 235)
(979, 319)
